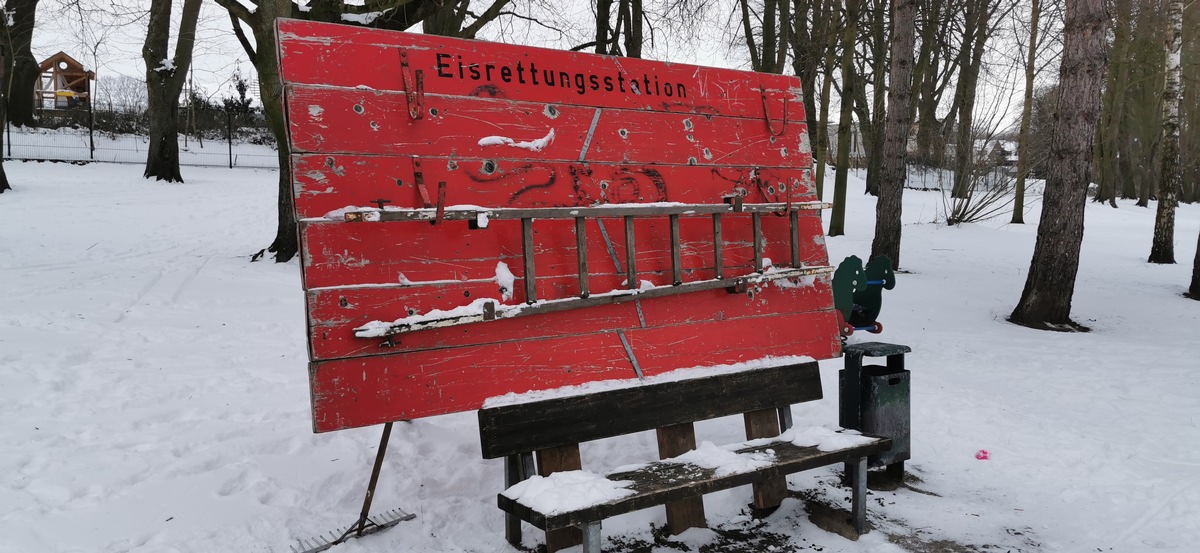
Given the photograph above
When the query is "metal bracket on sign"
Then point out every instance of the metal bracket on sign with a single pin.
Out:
(419, 180)
(767, 115)
(414, 92)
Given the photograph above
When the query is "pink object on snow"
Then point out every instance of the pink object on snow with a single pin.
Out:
(982, 455)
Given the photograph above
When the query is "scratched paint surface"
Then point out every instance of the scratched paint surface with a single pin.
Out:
(496, 126)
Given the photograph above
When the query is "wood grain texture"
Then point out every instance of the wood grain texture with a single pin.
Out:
(553, 460)
(660, 482)
(770, 492)
(687, 513)
(336, 55)
(681, 134)
(323, 183)
(521, 427)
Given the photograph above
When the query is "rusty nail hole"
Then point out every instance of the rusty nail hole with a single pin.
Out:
(489, 167)
(770, 190)
(411, 311)
(624, 133)
(399, 182)
(329, 162)
(603, 185)
(466, 293)
(772, 140)
(342, 302)
(552, 111)
(433, 112)
(359, 109)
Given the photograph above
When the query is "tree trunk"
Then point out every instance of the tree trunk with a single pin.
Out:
(164, 82)
(603, 26)
(1018, 216)
(806, 51)
(964, 151)
(826, 89)
(894, 167)
(1163, 248)
(1046, 300)
(1194, 289)
(25, 71)
(5, 82)
(837, 219)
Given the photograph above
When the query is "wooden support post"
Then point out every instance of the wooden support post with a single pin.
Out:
(558, 459)
(794, 225)
(630, 255)
(676, 262)
(718, 248)
(769, 493)
(756, 221)
(686, 513)
(581, 254)
(527, 258)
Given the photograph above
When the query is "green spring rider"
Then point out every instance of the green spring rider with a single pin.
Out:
(858, 293)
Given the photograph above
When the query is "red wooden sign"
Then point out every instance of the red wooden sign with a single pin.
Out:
(479, 218)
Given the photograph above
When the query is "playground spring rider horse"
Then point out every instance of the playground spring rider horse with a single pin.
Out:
(858, 293)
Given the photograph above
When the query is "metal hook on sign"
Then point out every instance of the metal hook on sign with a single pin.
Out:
(414, 89)
(767, 115)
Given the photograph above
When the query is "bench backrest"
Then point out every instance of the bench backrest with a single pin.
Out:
(535, 425)
(574, 236)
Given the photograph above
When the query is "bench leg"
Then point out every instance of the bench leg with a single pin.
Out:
(769, 493)
(553, 460)
(689, 512)
(859, 505)
(591, 537)
(517, 468)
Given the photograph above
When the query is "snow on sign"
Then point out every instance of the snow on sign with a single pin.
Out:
(479, 219)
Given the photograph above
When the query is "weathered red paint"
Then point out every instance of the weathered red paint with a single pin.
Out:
(357, 144)
(361, 391)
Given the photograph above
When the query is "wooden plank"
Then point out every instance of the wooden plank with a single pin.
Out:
(362, 391)
(661, 482)
(770, 492)
(349, 393)
(318, 53)
(346, 254)
(374, 122)
(508, 429)
(323, 183)
(687, 513)
(556, 459)
(335, 313)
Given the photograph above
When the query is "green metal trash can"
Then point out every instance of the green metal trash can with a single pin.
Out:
(887, 412)
(875, 399)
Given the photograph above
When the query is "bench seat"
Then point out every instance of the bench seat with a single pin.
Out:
(664, 481)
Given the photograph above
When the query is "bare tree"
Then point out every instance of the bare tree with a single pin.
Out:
(1163, 248)
(1194, 288)
(17, 43)
(260, 48)
(894, 167)
(1046, 300)
(165, 77)
(837, 219)
(1035, 13)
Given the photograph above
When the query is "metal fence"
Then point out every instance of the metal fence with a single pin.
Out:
(213, 138)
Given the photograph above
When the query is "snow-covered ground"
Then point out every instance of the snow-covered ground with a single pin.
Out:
(155, 394)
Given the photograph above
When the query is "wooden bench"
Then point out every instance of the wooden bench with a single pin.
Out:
(515, 430)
